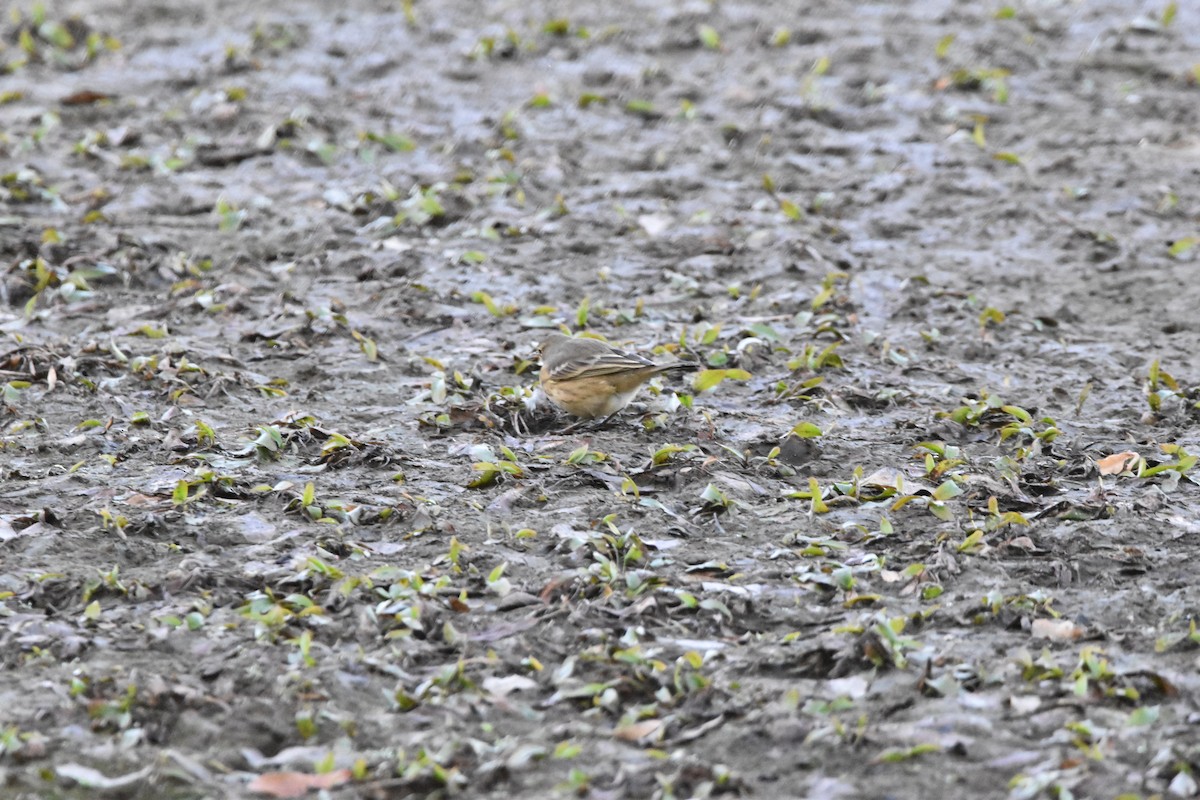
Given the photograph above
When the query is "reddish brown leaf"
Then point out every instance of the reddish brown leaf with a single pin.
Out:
(84, 98)
(638, 731)
(296, 784)
(1118, 463)
(1062, 630)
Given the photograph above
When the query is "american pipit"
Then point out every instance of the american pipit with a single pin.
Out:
(590, 379)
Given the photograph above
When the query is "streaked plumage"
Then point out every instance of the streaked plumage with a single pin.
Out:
(590, 379)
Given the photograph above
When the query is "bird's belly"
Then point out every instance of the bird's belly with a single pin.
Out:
(616, 402)
(595, 405)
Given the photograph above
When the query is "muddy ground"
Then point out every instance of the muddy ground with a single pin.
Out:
(277, 500)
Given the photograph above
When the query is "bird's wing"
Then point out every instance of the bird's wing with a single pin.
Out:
(607, 362)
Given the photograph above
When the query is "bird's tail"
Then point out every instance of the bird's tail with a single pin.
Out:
(676, 365)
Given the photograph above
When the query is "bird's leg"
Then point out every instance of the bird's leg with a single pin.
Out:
(589, 424)
(608, 419)
(574, 426)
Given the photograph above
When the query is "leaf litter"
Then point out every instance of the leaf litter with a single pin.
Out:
(274, 477)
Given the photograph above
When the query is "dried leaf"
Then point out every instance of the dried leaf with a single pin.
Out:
(639, 731)
(1022, 542)
(1062, 630)
(1118, 463)
(296, 784)
(502, 687)
(85, 97)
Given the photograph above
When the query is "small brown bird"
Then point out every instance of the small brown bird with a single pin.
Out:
(590, 379)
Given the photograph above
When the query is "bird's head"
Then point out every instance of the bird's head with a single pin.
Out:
(550, 341)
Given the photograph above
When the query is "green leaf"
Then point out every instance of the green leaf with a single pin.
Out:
(565, 750)
(713, 604)
(896, 754)
(488, 303)
(947, 490)
(1181, 246)
(972, 542)
(1168, 14)
(943, 46)
(579, 455)
(990, 314)
(1146, 715)
(941, 511)
(663, 454)
(806, 430)
(369, 348)
(709, 378)
(763, 331)
(489, 473)
(642, 107)
(818, 504)
(709, 37)
(712, 494)
(1021, 414)
(395, 142)
(180, 495)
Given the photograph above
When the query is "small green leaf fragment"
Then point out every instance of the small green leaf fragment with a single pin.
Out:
(1181, 246)
(896, 754)
(709, 378)
(1145, 715)
(395, 142)
(1168, 14)
(806, 430)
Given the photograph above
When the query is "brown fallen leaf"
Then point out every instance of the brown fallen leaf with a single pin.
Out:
(139, 499)
(637, 731)
(84, 97)
(1022, 542)
(1062, 630)
(1118, 463)
(296, 784)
